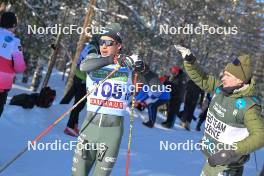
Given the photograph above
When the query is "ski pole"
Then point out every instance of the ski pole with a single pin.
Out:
(57, 121)
(256, 163)
(131, 124)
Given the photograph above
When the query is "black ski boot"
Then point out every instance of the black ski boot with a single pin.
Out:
(198, 126)
(148, 124)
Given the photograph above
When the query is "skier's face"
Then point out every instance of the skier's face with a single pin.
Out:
(230, 81)
(108, 46)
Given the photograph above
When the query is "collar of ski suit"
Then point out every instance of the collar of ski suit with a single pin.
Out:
(247, 90)
(7, 31)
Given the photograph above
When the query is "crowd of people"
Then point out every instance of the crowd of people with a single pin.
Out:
(183, 92)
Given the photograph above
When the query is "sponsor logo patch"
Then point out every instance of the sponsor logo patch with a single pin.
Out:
(106, 103)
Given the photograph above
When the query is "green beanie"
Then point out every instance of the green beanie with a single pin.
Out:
(113, 30)
(241, 69)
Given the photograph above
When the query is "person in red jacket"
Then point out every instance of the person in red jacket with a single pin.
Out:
(11, 56)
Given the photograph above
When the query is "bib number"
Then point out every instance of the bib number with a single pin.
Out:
(108, 90)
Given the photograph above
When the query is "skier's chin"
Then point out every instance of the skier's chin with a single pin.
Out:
(105, 54)
(230, 89)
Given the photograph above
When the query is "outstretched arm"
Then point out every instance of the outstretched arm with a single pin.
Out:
(206, 82)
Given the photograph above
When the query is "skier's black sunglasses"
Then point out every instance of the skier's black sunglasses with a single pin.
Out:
(106, 42)
(237, 62)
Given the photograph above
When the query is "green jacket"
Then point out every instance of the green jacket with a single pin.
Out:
(252, 117)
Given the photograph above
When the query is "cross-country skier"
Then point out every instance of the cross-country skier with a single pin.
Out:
(102, 130)
(234, 127)
(11, 56)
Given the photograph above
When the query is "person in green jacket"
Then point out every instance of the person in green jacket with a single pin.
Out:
(234, 127)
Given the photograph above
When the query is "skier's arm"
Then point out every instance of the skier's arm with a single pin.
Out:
(146, 97)
(255, 126)
(94, 62)
(141, 96)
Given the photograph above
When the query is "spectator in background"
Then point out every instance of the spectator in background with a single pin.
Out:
(164, 108)
(202, 116)
(152, 101)
(177, 82)
(78, 88)
(163, 79)
(191, 97)
(11, 56)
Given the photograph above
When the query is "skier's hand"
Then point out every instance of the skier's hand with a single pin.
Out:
(224, 157)
(185, 52)
(140, 105)
(132, 62)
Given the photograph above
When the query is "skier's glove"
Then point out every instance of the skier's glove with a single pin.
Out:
(224, 157)
(132, 62)
(140, 105)
(186, 53)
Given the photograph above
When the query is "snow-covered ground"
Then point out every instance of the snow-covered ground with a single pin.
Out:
(18, 126)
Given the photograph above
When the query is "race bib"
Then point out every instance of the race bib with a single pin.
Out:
(113, 95)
